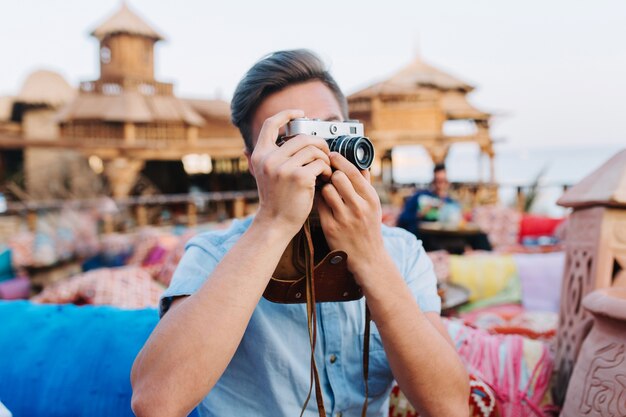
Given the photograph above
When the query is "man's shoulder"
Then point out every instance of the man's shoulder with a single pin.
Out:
(221, 239)
(398, 238)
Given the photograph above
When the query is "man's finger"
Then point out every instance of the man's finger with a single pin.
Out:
(326, 213)
(293, 145)
(307, 155)
(271, 126)
(360, 184)
(346, 190)
(315, 169)
(333, 199)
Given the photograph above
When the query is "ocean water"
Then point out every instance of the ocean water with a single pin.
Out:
(555, 166)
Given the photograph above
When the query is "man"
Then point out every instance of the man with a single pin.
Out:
(220, 343)
(424, 205)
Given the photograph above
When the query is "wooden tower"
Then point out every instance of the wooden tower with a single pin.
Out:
(412, 107)
(126, 117)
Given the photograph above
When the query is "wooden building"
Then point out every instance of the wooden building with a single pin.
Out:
(33, 163)
(132, 121)
(132, 124)
(137, 132)
(413, 107)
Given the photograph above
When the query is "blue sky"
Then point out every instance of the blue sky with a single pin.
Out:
(553, 71)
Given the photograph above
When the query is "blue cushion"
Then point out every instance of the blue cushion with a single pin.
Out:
(65, 360)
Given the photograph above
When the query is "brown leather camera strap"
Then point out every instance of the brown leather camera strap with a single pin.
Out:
(311, 311)
(366, 357)
(312, 325)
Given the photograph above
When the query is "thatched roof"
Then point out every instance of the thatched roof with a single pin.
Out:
(125, 21)
(456, 106)
(211, 109)
(411, 78)
(45, 87)
(605, 186)
(130, 107)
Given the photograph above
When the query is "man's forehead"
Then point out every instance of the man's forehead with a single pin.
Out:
(313, 97)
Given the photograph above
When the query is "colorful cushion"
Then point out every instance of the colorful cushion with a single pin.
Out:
(482, 401)
(15, 289)
(486, 276)
(500, 223)
(514, 319)
(126, 287)
(540, 276)
(63, 360)
(6, 270)
(532, 226)
(518, 369)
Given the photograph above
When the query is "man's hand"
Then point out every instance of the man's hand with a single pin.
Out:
(286, 174)
(350, 215)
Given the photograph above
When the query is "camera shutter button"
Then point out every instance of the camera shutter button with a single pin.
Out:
(333, 129)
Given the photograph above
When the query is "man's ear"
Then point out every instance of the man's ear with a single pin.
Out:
(248, 155)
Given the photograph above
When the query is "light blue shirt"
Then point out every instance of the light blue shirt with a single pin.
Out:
(269, 373)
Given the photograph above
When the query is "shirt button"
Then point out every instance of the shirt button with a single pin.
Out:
(333, 359)
(339, 414)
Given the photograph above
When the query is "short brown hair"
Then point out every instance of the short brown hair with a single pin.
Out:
(271, 74)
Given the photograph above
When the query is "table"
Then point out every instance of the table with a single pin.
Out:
(438, 236)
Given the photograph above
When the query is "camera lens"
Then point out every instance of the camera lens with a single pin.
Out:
(356, 149)
(360, 153)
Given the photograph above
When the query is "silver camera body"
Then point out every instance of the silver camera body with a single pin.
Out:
(346, 138)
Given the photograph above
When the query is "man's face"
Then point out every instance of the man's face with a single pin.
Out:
(313, 97)
(441, 184)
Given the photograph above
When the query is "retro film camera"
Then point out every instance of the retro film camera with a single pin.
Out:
(332, 281)
(345, 138)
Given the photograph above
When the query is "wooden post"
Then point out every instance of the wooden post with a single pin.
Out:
(141, 215)
(129, 133)
(239, 207)
(122, 174)
(192, 214)
(108, 223)
(31, 221)
(192, 135)
(520, 199)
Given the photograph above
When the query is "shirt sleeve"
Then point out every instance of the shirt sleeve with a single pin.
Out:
(420, 277)
(197, 263)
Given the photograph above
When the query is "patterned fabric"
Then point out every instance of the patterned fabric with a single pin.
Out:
(127, 287)
(87, 242)
(514, 319)
(518, 369)
(22, 246)
(500, 223)
(482, 401)
(114, 244)
(58, 237)
(143, 242)
(15, 289)
(172, 258)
